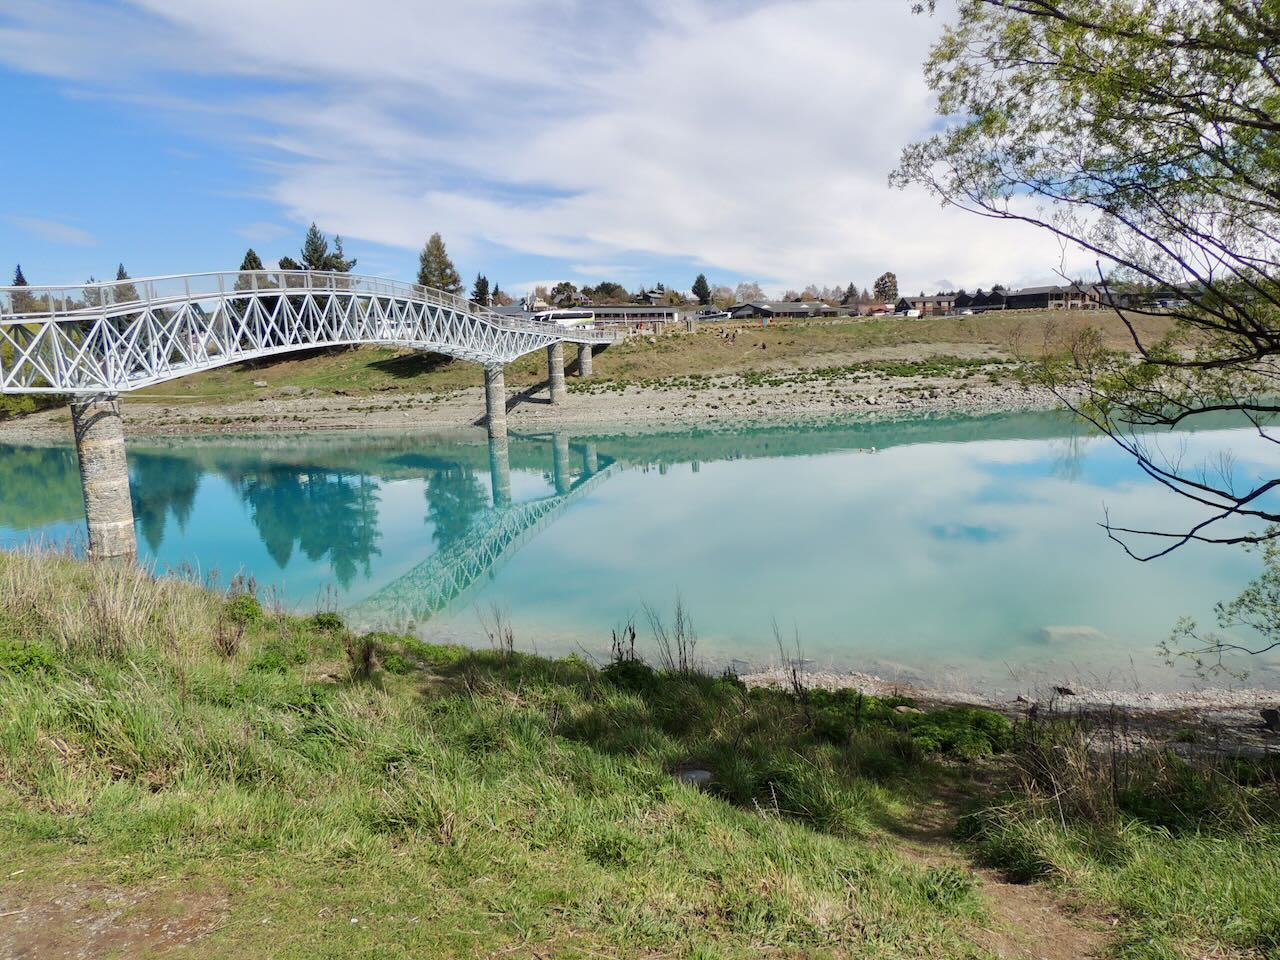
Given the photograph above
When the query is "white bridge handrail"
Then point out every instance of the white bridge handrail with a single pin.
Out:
(122, 335)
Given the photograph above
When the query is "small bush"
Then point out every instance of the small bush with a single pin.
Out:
(244, 609)
(26, 658)
(634, 676)
(326, 622)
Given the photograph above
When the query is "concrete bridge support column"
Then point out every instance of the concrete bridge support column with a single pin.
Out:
(104, 478)
(500, 471)
(584, 359)
(590, 459)
(495, 401)
(560, 462)
(555, 372)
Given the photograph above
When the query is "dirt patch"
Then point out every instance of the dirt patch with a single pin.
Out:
(85, 920)
(1026, 921)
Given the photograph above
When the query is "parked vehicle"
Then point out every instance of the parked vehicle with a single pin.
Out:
(566, 318)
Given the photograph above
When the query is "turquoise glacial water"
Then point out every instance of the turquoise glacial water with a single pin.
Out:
(962, 550)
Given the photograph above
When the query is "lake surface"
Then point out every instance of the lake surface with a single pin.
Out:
(959, 550)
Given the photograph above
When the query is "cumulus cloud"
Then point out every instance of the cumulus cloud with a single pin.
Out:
(753, 139)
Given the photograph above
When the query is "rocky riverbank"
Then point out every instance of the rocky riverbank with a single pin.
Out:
(676, 402)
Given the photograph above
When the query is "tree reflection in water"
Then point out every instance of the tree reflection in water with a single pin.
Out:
(454, 497)
(324, 513)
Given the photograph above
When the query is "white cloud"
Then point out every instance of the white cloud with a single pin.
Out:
(750, 138)
(54, 231)
(263, 232)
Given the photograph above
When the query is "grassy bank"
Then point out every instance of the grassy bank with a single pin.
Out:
(782, 347)
(279, 787)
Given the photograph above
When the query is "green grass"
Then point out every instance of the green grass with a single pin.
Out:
(457, 803)
(813, 349)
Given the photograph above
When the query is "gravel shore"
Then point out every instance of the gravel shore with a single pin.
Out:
(588, 407)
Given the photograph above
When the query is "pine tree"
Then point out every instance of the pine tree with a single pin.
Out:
(701, 289)
(436, 270)
(288, 263)
(251, 262)
(123, 292)
(850, 294)
(480, 292)
(21, 300)
(315, 250)
(337, 261)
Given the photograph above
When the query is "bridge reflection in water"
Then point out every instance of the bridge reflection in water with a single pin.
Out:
(450, 576)
(308, 513)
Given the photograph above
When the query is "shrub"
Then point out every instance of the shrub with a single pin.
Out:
(244, 609)
(326, 622)
(26, 658)
(634, 676)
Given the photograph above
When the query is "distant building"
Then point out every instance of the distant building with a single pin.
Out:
(1072, 296)
(935, 306)
(757, 309)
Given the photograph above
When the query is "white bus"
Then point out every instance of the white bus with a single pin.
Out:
(566, 318)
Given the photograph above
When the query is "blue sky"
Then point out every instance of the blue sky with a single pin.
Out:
(545, 139)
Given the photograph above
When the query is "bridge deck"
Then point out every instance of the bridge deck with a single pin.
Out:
(115, 337)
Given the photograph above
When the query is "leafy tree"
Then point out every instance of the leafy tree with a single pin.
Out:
(1144, 132)
(436, 270)
(723, 298)
(563, 293)
(746, 292)
(606, 291)
(701, 289)
(886, 287)
(500, 298)
(480, 291)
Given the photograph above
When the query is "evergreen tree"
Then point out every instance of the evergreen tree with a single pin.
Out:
(315, 250)
(250, 262)
(436, 270)
(22, 301)
(850, 294)
(480, 292)
(288, 263)
(124, 292)
(701, 289)
(337, 261)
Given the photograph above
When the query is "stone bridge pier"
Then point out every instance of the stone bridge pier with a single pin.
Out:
(104, 477)
(555, 372)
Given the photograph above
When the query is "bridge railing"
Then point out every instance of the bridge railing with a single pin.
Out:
(32, 303)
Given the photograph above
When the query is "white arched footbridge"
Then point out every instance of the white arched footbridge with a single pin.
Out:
(96, 341)
(109, 338)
